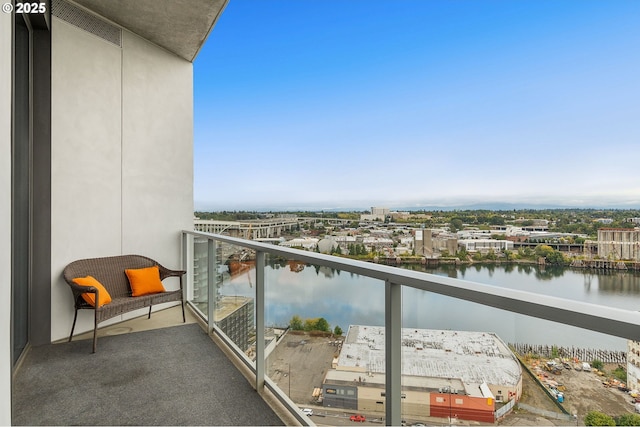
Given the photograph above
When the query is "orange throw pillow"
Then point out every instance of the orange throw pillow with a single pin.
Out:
(145, 281)
(103, 294)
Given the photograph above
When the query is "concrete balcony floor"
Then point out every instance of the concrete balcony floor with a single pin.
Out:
(156, 371)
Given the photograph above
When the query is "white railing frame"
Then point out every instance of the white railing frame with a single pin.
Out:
(607, 320)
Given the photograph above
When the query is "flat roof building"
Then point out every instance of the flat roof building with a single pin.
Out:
(477, 367)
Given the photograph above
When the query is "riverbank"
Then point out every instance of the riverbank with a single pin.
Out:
(607, 265)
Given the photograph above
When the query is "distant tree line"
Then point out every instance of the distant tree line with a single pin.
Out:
(316, 324)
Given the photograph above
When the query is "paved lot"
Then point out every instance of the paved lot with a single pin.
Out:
(299, 363)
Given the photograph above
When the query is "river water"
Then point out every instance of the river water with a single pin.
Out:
(347, 299)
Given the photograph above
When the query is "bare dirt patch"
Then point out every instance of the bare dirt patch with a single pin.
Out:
(583, 391)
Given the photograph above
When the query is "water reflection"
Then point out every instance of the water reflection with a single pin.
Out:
(343, 299)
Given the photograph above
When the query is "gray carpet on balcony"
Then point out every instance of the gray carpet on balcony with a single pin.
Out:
(170, 376)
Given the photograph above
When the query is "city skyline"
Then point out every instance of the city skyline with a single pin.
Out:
(450, 104)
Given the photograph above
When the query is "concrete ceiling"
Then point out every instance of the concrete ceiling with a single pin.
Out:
(180, 26)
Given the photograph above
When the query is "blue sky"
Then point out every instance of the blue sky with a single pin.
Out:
(324, 104)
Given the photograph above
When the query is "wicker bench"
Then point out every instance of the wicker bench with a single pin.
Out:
(110, 272)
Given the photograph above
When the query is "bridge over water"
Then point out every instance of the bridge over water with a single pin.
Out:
(262, 228)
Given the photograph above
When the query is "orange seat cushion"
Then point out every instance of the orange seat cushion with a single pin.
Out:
(103, 294)
(145, 281)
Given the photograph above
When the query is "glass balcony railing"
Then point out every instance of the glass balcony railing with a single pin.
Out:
(349, 339)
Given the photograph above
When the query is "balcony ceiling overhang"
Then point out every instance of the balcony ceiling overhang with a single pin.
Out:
(180, 26)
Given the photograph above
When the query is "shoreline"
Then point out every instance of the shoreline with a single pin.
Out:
(598, 265)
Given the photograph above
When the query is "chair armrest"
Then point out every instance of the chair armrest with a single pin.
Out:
(165, 272)
(79, 290)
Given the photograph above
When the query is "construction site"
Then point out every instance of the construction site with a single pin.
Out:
(566, 389)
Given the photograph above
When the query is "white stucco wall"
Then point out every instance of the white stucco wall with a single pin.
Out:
(157, 135)
(5, 218)
(122, 162)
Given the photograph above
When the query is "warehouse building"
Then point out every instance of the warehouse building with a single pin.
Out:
(456, 374)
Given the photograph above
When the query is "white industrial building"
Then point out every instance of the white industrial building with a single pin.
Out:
(477, 367)
(308, 243)
(484, 245)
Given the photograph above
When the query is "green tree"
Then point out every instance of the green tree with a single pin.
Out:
(542, 251)
(620, 373)
(322, 325)
(310, 324)
(556, 258)
(337, 331)
(628, 420)
(597, 364)
(296, 323)
(550, 255)
(455, 225)
(496, 220)
(597, 418)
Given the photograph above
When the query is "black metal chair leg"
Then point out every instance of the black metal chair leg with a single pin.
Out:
(75, 317)
(95, 332)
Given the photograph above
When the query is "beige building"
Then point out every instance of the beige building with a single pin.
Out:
(619, 243)
(377, 214)
(633, 365)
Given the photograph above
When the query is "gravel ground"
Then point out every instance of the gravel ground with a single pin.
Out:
(584, 392)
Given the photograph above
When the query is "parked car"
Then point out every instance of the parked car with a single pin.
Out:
(307, 411)
(358, 418)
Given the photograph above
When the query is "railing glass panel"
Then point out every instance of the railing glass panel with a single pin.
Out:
(429, 338)
(312, 309)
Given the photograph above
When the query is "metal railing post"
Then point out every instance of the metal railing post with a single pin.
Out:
(185, 262)
(393, 353)
(260, 362)
(211, 282)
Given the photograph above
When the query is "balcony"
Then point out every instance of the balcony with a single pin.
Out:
(155, 371)
(286, 380)
(390, 293)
